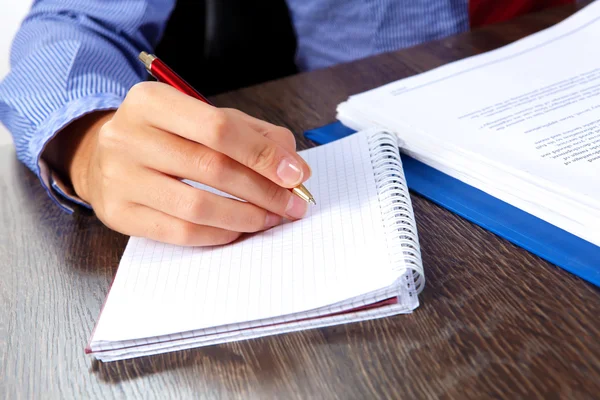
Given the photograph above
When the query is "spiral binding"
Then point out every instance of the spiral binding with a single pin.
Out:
(396, 208)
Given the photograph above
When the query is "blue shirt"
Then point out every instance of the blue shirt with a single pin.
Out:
(73, 57)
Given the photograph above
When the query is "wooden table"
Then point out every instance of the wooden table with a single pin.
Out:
(495, 321)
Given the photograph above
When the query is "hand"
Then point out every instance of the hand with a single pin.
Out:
(128, 165)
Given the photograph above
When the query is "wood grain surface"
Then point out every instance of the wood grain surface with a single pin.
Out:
(494, 320)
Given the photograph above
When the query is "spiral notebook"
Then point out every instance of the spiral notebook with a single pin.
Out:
(354, 257)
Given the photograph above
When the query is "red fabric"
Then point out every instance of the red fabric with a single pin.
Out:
(483, 12)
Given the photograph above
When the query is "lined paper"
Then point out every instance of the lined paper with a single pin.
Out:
(337, 252)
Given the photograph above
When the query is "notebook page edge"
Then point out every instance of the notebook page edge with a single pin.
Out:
(258, 332)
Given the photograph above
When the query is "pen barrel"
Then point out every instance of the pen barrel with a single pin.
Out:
(166, 75)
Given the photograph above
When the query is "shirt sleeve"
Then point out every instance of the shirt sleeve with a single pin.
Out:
(70, 58)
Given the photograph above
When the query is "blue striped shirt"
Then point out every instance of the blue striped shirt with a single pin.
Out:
(73, 57)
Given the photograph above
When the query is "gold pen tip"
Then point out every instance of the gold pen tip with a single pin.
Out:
(312, 201)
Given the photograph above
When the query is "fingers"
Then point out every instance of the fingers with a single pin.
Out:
(159, 135)
(176, 156)
(200, 207)
(141, 221)
(223, 131)
(276, 133)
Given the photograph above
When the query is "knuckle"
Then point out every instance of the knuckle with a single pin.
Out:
(211, 163)
(228, 110)
(184, 234)
(263, 159)
(141, 98)
(289, 137)
(218, 122)
(111, 214)
(141, 91)
(109, 136)
(194, 207)
(281, 135)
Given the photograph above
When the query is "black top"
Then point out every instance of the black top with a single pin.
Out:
(220, 45)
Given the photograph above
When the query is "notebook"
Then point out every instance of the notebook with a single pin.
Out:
(355, 256)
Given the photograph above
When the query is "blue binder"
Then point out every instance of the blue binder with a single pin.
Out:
(531, 233)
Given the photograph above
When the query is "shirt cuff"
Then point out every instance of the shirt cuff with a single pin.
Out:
(60, 193)
(66, 191)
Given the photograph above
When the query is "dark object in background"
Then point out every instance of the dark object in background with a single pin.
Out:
(221, 45)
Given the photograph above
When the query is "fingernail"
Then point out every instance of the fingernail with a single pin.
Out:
(289, 172)
(296, 207)
(272, 220)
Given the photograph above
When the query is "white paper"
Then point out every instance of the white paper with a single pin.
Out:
(521, 123)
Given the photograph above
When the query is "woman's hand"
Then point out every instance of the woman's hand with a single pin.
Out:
(128, 165)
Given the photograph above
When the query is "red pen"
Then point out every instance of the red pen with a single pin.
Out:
(164, 74)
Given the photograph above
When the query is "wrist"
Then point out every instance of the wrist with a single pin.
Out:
(70, 152)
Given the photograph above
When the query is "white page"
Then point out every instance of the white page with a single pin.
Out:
(551, 79)
(338, 251)
(554, 207)
(179, 343)
(460, 165)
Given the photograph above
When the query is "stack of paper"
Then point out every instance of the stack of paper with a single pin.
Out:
(521, 123)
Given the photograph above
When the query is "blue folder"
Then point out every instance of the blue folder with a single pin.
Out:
(531, 233)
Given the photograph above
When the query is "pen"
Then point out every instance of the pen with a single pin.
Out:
(164, 74)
